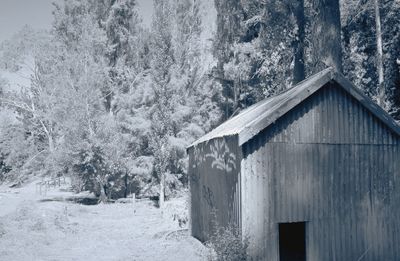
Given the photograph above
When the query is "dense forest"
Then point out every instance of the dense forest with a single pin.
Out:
(113, 103)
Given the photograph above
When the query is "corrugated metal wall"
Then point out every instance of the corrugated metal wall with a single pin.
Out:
(214, 184)
(331, 163)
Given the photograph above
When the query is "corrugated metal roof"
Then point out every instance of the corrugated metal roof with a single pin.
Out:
(257, 117)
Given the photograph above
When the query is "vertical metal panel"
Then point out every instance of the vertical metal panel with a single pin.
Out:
(335, 166)
(214, 174)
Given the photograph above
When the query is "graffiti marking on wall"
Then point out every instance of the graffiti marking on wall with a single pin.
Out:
(208, 196)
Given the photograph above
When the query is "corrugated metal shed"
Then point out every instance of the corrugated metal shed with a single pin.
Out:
(321, 155)
(254, 119)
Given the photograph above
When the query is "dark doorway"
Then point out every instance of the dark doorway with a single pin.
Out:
(292, 241)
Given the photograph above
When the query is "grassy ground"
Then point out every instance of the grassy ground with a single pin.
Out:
(34, 227)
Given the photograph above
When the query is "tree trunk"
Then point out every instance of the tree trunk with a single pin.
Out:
(103, 196)
(126, 184)
(236, 95)
(326, 36)
(51, 144)
(51, 167)
(379, 55)
(162, 191)
(298, 44)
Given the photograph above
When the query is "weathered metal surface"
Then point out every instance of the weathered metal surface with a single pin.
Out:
(333, 164)
(256, 118)
(265, 108)
(331, 159)
(214, 183)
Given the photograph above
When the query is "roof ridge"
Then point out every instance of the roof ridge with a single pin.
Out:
(260, 115)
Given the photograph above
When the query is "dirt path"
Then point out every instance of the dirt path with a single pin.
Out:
(11, 198)
(52, 230)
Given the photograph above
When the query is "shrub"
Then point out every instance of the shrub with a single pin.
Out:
(226, 244)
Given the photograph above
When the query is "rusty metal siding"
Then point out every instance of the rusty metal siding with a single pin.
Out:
(333, 164)
(215, 185)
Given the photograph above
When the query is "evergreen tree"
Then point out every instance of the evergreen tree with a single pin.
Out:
(360, 48)
(254, 61)
(122, 29)
(229, 17)
(164, 94)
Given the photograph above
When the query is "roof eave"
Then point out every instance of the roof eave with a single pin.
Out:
(262, 122)
(201, 140)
